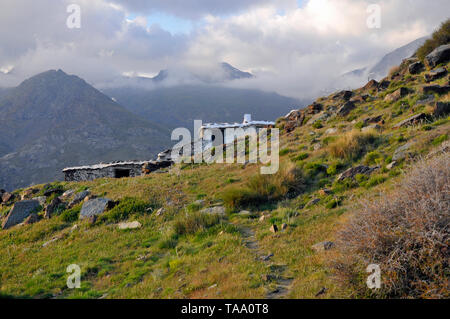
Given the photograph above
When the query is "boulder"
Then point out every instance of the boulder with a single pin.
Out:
(373, 120)
(371, 127)
(274, 228)
(79, 198)
(312, 202)
(323, 246)
(325, 192)
(435, 74)
(415, 68)
(284, 226)
(68, 193)
(343, 95)
(28, 193)
(435, 89)
(352, 172)
(331, 131)
(95, 207)
(345, 109)
(439, 55)
(384, 84)
(397, 95)
(371, 85)
(216, 210)
(52, 191)
(413, 120)
(427, 100)
(132, 225)
(19, 212)
(391, 165)
(441, 109)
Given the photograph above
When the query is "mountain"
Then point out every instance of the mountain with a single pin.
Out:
(54, 120)
(179, 106)
(234, 74)
(382, 67)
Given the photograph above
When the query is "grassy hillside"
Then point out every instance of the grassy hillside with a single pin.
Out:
(180, 252)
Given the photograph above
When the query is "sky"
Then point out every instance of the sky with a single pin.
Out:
(293, 47)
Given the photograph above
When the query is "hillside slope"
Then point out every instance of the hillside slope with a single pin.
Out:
(54, 120)
(207, 231)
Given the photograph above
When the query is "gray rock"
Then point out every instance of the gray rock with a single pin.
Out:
(79, 198)
(312, 202)
(325, 245)
(439, 55)
(401, 152)
(441, 109)
(345, 109)
(391, 165)
(429, 99)
(397, 95)
(95, 207)
(217, 210)
(415, 68)
(435, 89)
(41, 200)
(371, 127)
(131, 225)
(352, 172)
(435, 74)
(20, 211)
(413, 120)
(331, 131)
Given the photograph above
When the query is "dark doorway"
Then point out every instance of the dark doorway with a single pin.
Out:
(121, 173)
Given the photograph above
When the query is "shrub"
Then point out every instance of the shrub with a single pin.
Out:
(71, 215)
(353, 144)
(440, 139)
(191, 223)
(373, 158)
(317, 125)
(301, 157)
(124, 209)
(439, 37)
(394, 70)
(261, 189)
(334, 168)
(406, 233)
(284, 151)
(375, 180)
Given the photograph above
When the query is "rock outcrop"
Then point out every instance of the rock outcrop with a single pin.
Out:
(439, 55)
(20, 211)
(352, 172)
(95, 207)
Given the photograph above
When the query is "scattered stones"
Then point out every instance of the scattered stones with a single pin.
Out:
(32, 219)
(95, 207)
(397, 95)
(439, 55)
(132, 225)
(415, 68)
(402, 152)
(435, 74)
(441, 109)
(217, 210)
(274, 228)
(79, 198)
(323, 246)
(352, 172)
(413, 120)
(391, 165)
(284, 226)
(20, 211)
(345, 109)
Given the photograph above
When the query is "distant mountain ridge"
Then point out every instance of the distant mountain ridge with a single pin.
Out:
(54, 120)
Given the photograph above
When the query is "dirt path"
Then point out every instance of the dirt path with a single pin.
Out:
(276, 273)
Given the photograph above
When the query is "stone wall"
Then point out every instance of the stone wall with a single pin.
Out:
(116, 171)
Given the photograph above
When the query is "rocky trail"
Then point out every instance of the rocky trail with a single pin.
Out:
(276, 273)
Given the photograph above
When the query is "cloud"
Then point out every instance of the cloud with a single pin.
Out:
(293, 50)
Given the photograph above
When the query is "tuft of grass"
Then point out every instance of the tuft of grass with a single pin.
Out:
(127, 207)
(353, 145)
(191, 223)
(439, 140)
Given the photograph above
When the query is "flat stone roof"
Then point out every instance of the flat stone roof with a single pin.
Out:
(105, 165)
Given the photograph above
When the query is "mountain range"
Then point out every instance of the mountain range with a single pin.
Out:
(54, 120)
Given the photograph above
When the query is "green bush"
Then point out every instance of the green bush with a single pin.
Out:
(284, 151)
(317, 125)
(439, 37)
(127, 207)
(191, 223)
(71, 215)
(439, 140)
(301, 157)
(373, 158)
(375, 180)
(334, 168)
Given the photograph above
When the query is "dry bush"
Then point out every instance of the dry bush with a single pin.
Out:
(353, 144)
(406, 233)
(191, 223)
(394, 71)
